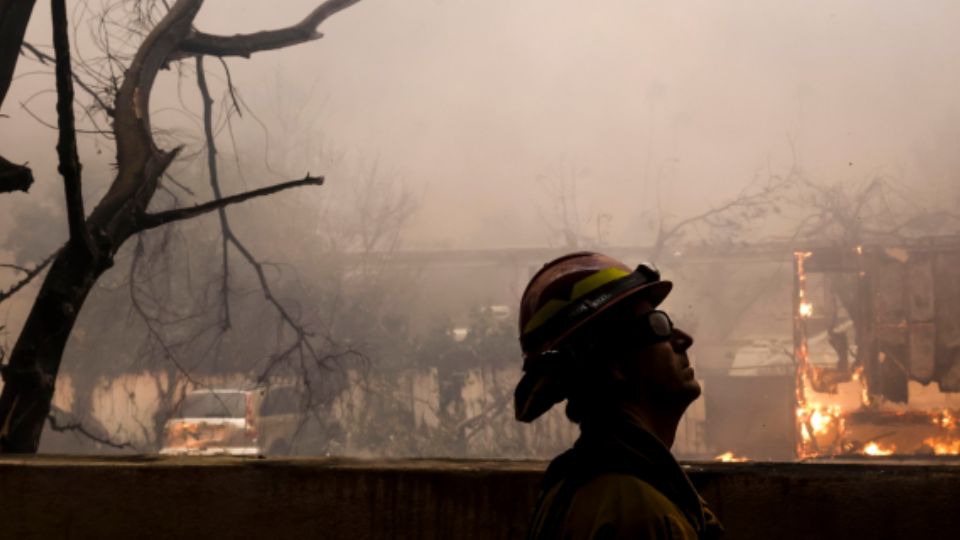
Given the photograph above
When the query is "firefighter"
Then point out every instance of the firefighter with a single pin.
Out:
(592, 335)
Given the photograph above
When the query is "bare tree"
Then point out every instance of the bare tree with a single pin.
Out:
(723, 222)
(122, 213)
(876, 209)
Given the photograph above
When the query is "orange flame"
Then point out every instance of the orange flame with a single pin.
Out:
(946, 420)
(817, 420)
(943, 447)
(729, 457)
(873, 448)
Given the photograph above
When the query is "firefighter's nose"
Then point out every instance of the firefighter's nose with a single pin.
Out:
(681, 340)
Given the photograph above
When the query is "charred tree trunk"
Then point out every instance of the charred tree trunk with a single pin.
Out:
(29, 377)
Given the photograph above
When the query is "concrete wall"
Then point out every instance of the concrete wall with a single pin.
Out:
(50, 497)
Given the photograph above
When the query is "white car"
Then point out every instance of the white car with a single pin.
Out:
(213, 422)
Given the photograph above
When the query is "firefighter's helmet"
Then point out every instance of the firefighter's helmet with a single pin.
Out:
(560, 299)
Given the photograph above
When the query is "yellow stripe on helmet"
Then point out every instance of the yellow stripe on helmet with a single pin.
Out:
(580, 288)
(597, 280)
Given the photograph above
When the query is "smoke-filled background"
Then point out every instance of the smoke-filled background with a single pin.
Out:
(451, 132)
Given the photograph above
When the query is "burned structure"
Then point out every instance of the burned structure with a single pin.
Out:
(877, 349)
(866, 361)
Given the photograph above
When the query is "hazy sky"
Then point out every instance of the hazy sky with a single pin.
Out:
(470, 102)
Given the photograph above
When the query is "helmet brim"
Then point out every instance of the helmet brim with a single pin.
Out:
(655, 293)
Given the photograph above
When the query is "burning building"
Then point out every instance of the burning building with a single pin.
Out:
(876, 345)
(872, 367)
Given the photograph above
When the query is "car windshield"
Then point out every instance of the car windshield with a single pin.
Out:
(214, 405)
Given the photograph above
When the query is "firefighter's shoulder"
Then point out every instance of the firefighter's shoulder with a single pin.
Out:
(618, 506)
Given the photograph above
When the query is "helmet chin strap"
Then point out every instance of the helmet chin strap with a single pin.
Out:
(566, 356)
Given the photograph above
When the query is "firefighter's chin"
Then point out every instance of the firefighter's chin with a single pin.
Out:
(690, 386)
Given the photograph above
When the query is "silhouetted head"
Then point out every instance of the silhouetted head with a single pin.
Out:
(591, 334)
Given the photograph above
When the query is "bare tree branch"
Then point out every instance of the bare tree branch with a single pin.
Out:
(139, 162)
(79, 428)
(152, 322)
(67, 143)
(16, 267)
(179, 184)
(231, 88)
(746, 201)
(246, 44)
(43, 58)
(27, 278)
(215, 185)
(149, 221)
(874, 211)
(301, 347)
(46, 124)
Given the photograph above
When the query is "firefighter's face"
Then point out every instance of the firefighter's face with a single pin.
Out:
(659, 372)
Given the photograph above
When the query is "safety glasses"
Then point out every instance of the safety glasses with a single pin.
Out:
(646, 329)
(654, 326)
